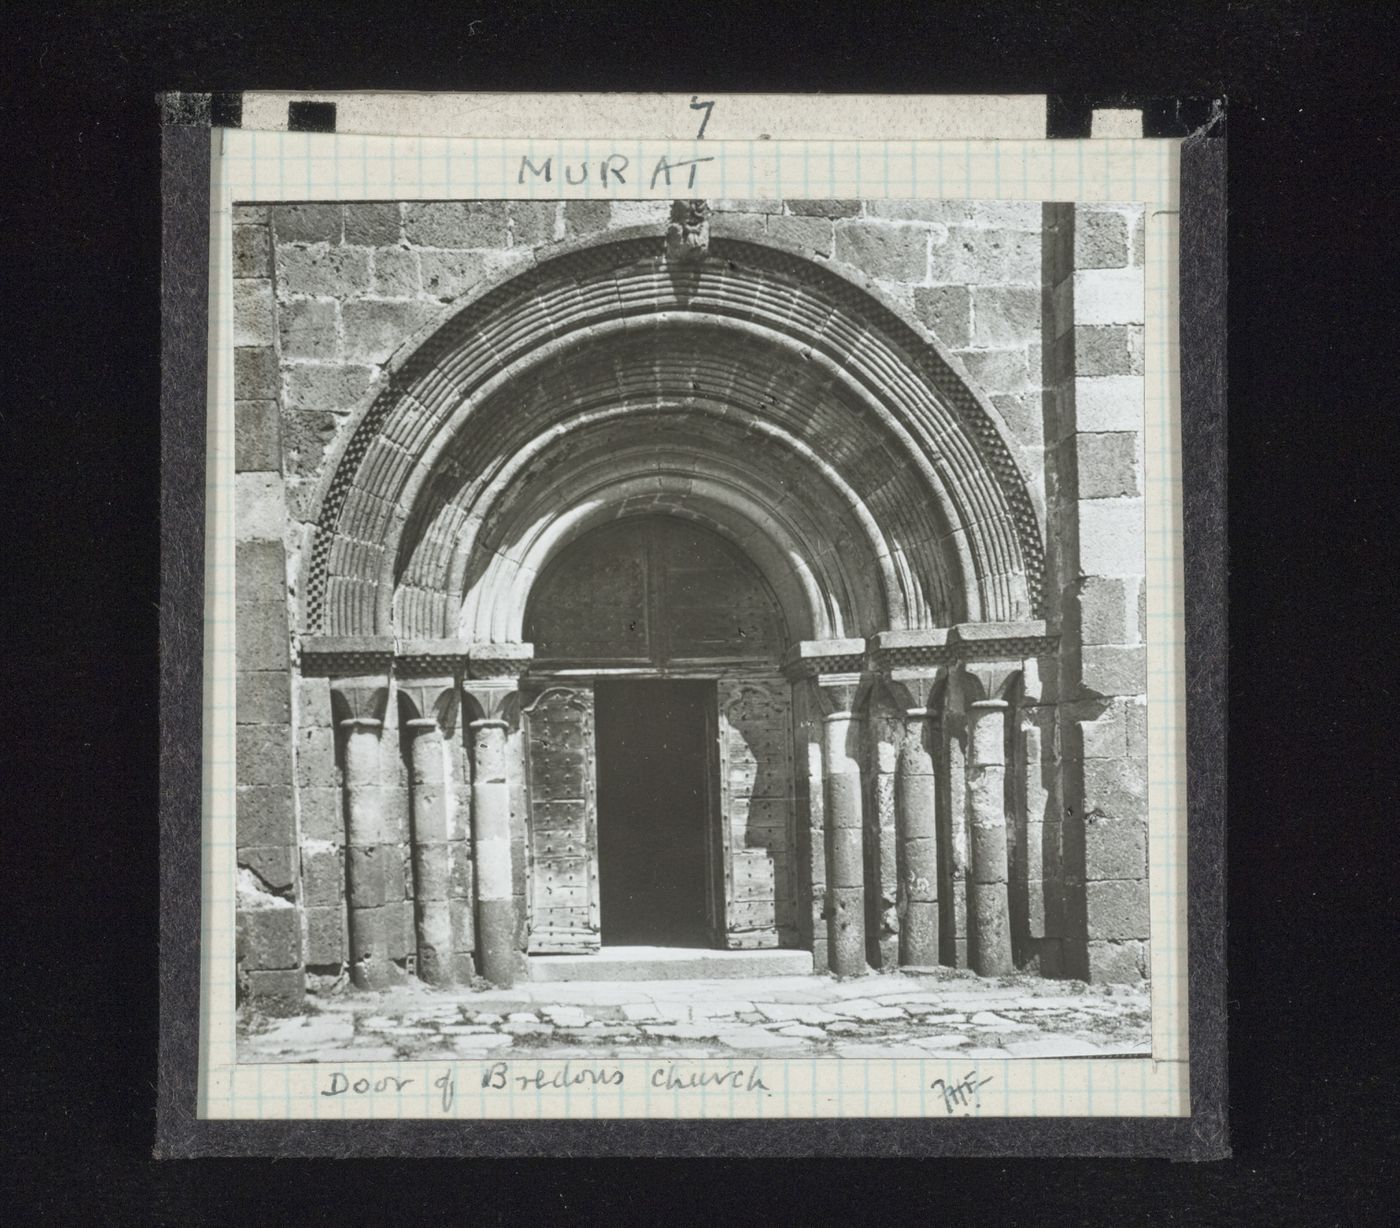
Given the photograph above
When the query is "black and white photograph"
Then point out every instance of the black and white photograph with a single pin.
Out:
(690, 629)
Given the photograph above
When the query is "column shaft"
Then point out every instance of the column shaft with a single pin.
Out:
(845, 859)
(916, 793)
(491, 852)
(990, 936)
(366, 854)
(432, 855)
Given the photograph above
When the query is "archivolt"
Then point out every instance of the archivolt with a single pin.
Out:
(766, 372)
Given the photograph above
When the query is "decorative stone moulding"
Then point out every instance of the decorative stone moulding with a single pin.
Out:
(499, 660)
(814, 658)
(910, 649)
(433, 658)
(338, 656)
(1000, 641)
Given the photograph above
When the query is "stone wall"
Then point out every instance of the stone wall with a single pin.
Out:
(326, 294)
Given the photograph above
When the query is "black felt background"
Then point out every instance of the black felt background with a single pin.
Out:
(1312, 802)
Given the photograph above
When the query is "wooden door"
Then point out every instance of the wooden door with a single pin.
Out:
(563, 828)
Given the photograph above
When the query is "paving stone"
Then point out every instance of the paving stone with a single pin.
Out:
(477, 1044)
(565, 1016)
(996, 1023)
(681, 1031)
(869, 1014)
(752, 1038)
(528, 1029)
(798, 1012)
(522, 1017)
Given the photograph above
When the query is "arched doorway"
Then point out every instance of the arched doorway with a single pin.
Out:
(661, 635)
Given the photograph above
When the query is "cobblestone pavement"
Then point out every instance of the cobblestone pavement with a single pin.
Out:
(945, 1013)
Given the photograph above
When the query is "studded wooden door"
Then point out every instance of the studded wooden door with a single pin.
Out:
(563, 828)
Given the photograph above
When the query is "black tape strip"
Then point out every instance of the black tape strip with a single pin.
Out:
(1070, 117)
(311, 117)
(226, 110)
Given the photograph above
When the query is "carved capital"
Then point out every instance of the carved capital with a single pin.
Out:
(433, 700)
(492, 701)
(361, 698)
(499, 661)
(839, 694)
(915, 691)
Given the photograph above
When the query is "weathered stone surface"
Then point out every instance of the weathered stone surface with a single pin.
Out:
(260, 577)
(310, 328)
(824, 208)
(277, 991)
(1115, 848)
(264, 754)
(254, 373)
(263, 698)
(322, 815)
(1108, 349)
(1109, 296)
(947, 313)
(252, 252)
(327, 271)
(325, 936)
(884, 249)
(259, 506)
(395, 272)
(1005, 315)
(322, 876)
(972, 255)
(585, 217)
(265, 815)
(1107, 610)
(274, 865)
(1106, 465)
(1111, 537)
(309, 432)
(1117, 963)
(1106, 669)
(1115, 788)
(446, 274)
(257, 443)
(997, 370)
(372, 223)
(269, 938)
(316, 764)
(1100, 239)
(317, 387)
(307, 223)
(813, 234)
(252, 312)
(479, 223)
(1108, 403)
(751, 227)
(532, 221)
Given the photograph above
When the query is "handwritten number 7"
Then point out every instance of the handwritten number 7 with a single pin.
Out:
(707, 107)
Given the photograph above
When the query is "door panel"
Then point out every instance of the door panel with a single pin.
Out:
(563, 881)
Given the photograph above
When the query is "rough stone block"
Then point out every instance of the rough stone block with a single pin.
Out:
(263, 699)
(1139, 228)
(1106, 610)
(1005, 315)
(259, 506)
(316, 761)
(1117, 909)
(740, 205)
(268, 938)
(813, 234)
(395, 272)
(257, 439)
(264, 815)
(976, 256)
(1024, 415)
(1111, 537)
(279, 992)
(1112, 670)
(310, 223)
(946, 311)
(274, 865)
(532, 221)
(1100, 239)
(264, 755)
(477, 223)
(325, 937)
(824, 208)
(322, 813)
(1108, 403)
(1106, 464)
(260, 575)
(310, 328)
(1103, 738)
(372, 224)
(1114, 789)
(312, 386)
(314, 703)
(330, 271)
(1117, 963)
(309, 433)
(252, 312)
(894, 250)
(254, 373)
(447, 274)
(997, 370)
(261, 636)
(750, 227)
(1136, 716)
(322, 877)
(1109, 296)
(639, 213)
(1115, 849)
(585, 217)
(1108, 349)
(252, 252)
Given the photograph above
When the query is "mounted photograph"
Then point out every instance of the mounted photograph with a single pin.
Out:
(690, 630)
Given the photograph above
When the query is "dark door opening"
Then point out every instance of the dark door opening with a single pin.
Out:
(653, 812)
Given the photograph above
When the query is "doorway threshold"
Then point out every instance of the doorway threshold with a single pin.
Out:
(668, 964)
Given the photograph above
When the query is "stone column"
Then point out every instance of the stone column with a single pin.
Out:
(988, 897)
(835, 668)
(367, 848)
(495, 703)
(914, 669)
(432, 694)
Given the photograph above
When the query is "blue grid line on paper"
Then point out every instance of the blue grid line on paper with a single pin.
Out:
(260, 161)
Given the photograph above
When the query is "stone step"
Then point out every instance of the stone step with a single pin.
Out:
(667, 964)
